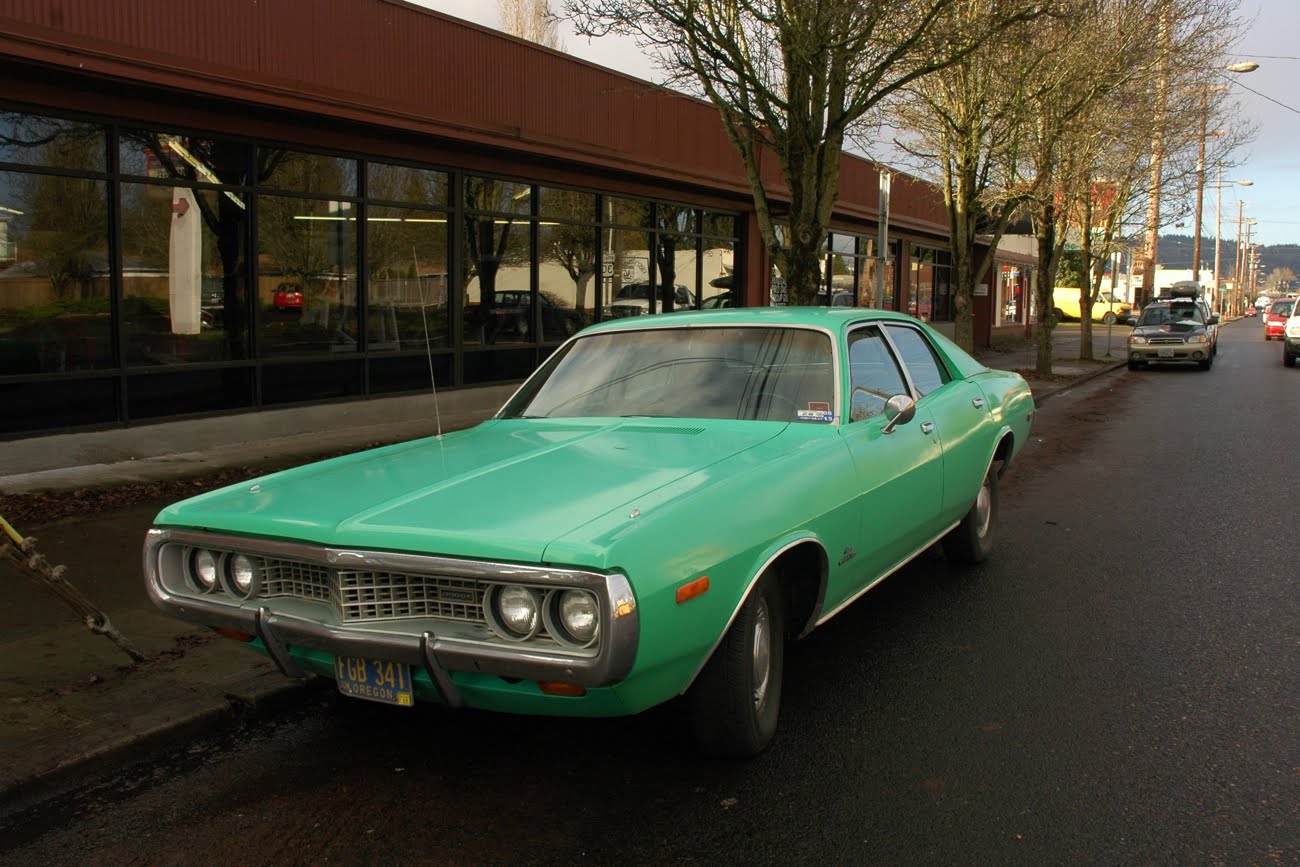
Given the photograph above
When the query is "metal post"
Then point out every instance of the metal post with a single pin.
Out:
(1218, 229)
(882, 236)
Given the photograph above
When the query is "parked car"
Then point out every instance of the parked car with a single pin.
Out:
(633, 299)
(1106, 308)
(1250, 311)
(513, 313)
(1275, 320)
(1172, 331)
(649, 516)
(1291, 337)
(288, 296)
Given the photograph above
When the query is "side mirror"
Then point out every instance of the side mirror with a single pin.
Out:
(1214, 320)
(899, 409)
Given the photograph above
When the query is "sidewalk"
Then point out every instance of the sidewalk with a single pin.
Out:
(72, 702)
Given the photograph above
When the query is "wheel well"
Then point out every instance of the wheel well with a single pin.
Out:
(1002, 454)
(801, 571)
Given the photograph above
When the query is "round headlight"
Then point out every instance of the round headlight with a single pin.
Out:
(579, 615)
(517, 609)
(1136, 339)
(243, 575)
(203, 570)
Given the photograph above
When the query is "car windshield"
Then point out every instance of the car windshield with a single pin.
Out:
(1164, 315)
(764, 374)
(1282, 308)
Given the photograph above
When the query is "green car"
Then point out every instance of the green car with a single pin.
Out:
(651, 515)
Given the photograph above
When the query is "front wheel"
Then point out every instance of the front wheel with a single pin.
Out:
(971, 541)
(1288, 360)
(735, 702)
(1108, 318)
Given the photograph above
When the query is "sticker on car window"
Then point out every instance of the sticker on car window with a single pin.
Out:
(816, 411)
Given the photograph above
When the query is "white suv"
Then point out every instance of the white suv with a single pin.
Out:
(1291, 337)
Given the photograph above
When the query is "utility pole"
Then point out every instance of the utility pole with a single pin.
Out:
(1157, 162)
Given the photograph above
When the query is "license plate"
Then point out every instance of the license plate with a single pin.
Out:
(1165, 353)
(374, 680)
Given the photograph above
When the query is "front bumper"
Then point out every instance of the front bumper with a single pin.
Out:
(1180, 353)
(291, 629)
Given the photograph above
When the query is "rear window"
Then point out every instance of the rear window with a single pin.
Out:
(1282, 308)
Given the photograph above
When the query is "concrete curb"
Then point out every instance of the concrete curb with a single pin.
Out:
(1048, 393)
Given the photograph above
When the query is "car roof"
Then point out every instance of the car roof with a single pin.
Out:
(816, 317)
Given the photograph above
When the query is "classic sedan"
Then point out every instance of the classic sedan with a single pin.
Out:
(650, 516)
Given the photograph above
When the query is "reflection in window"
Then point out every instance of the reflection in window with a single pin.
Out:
(721, 225)
(566, 277)
(874, 376)
(406, 279)
(307, 288)
(54, 280)
(927, 373)
(573, 206)
(675, 280)
(627, 212)
(184, 275)
(169, 156)
(625, 256)
(408, 185)
(719, 266)
(51, 142)
(497, 276)
(497, 195)
(300, 172)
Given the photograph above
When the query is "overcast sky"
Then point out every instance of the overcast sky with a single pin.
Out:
(1268, 95)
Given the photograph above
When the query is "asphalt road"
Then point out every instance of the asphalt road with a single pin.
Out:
(1118, 685)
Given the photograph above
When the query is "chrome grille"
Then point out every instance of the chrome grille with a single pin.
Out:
(360, 595)
(390, 595)
(1166, 341)
(300, 580)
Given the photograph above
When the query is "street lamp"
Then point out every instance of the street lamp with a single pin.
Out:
(1218, 231)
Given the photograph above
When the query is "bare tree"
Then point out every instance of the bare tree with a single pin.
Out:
(792, 78)
(532, 20)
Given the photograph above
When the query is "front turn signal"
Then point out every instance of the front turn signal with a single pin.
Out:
(689, 591)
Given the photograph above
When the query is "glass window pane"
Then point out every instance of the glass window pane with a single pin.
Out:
(566, 278)
(51, 142)
(675, 281)
(498, 196)
(406, 279)
(918, 356)
(719, 289)
(300, 172)
(307, 288)
(163, 394)
(874, 375)
(627, 212)
(184, 276)
(723, 225)
(55, 309)
(680, 219)
(497, 276)
(153, 154)
(625, 258)
(572, 205)
(405, 184)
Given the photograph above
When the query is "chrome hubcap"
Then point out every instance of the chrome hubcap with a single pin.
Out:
(983, 510)
(761, 650)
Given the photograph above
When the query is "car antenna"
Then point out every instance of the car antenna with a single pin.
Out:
(428, 349)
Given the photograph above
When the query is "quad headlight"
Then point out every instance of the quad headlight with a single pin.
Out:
(568, 615)
(202, 570)
(242, 576)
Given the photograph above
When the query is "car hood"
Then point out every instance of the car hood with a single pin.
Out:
(502, 490)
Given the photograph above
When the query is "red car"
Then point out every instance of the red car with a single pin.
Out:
(1275, 321)
(289, 297)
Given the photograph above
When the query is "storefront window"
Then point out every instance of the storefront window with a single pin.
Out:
(55, 310)
(840, 269)
(51, 142)
(498, 196)
(566, 274)
(195, 159)
(406, 185)
(1011, 303)
(299, 172)
(184, 276)
(718, 263)
(931, 285)
(497, 276)
(307, 288)
(406, 279)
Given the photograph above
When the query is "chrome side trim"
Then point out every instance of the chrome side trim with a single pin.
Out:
(277, 651)
(441, 679)
(899, 565)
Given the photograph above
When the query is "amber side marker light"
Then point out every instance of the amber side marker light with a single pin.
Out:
(233, 633)
(569, 690)
(698, 587)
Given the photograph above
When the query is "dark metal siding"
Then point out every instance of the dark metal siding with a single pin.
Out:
(388, 63)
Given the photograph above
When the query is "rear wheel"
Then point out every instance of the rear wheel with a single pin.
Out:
(1108, 318)
(971, 541)
(1288, 359)
(736, 701)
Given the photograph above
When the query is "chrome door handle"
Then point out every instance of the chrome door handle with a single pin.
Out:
(978, 402)
(927, 427)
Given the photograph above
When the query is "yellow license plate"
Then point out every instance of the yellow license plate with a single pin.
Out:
(374, 680)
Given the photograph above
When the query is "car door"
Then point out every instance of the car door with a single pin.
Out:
(960, 415)
(898, 473)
